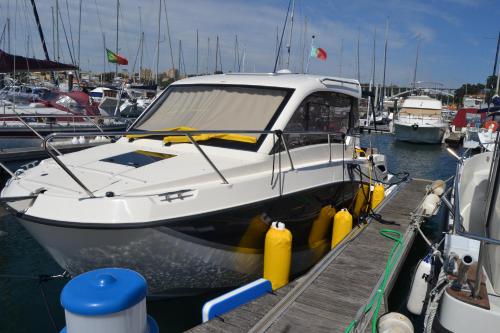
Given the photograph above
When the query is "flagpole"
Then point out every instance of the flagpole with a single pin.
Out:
(117, 14)
(309, 57)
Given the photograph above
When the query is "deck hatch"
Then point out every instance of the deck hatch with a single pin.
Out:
(137, 158)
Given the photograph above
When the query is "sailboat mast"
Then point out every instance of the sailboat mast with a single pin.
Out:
(57, 31)
(142, 56)
(234, 60)
(416, 64)
(216, 54)
(243, 59)
(117, 14)
(341, 55)
(53, 33)
(40, 32)
(357, 67)
(158, 46)
(169, 39)
(141, 43)
(289, 46)
(382, 96)
(498, 81)
(372, 83)
(496, 57)
(197, 51)
(208, 53)
(180, 64)
(304, 45)
(104, 58)
(276, 53)
(282, 34)
(79, 30)
(8, 27)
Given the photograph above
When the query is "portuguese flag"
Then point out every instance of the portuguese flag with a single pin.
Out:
(116, 58)
(318, 52)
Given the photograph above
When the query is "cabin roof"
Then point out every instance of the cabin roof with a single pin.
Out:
(282, 80)
(422, 102)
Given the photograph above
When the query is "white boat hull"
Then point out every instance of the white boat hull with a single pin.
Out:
(419, 134)
(173, 263)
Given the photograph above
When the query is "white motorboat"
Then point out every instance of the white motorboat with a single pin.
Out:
(472, 102)
(420, 121)
(466, 296)
(189, 208)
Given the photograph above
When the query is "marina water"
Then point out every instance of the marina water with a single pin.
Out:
(23, 308)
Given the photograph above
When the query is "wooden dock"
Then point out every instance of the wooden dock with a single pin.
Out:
(337, 289)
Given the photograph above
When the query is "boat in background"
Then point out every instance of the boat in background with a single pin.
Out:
(59, 112)
(420, 120)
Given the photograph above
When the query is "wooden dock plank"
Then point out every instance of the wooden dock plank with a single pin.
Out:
(332, 300)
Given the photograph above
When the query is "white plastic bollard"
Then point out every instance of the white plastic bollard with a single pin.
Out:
(107, 300)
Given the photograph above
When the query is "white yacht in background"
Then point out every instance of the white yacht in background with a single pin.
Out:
(473, 102)
(420, 121)
(186, 196)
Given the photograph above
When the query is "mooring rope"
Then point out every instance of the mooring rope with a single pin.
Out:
(376, 300)
(40, 280)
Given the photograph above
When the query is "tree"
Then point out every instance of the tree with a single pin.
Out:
(469, 89)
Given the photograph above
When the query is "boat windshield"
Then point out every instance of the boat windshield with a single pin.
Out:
(215, 107)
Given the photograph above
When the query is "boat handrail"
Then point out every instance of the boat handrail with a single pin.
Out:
(189, 134)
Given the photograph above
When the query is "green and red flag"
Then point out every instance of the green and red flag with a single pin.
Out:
(318, 52)
(116, 58)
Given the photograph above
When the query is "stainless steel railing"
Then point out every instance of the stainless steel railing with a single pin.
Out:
(189, 134)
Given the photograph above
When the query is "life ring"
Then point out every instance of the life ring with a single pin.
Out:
(488, 123)
(415, 127)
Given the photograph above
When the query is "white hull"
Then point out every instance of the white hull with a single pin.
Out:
(172, 262)
(420, 134)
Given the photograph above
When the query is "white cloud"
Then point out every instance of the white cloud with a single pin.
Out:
(423, 32)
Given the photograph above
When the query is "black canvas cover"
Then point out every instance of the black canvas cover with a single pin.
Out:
(10, 63)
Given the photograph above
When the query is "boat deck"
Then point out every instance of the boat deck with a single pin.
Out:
(336, 290)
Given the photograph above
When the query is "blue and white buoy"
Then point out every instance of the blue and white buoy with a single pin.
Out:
(107, 300)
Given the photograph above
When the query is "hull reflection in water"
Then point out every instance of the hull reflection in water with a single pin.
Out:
(197, 254)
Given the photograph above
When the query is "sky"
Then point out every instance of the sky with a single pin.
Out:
(457, 37)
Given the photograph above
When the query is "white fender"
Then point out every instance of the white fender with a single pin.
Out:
(430, 204)
(419, 285)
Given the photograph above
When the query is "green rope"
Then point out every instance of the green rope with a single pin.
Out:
(376, 300)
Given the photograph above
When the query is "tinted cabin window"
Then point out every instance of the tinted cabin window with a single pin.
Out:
(323, 112)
